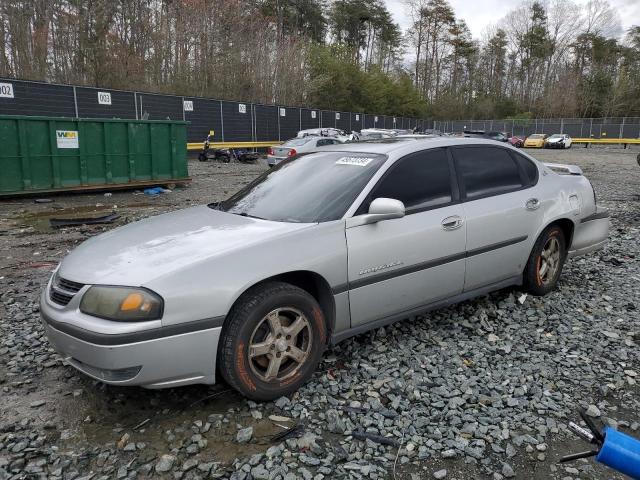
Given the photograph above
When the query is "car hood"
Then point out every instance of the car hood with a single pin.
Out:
(554, 140)
(142, 251)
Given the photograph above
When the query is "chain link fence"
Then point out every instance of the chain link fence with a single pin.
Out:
(609, 127)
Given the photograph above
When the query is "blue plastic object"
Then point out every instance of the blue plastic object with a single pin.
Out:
(620, 452)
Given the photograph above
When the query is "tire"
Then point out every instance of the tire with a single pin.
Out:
(249, 330)
(538, 280)
(202, 157)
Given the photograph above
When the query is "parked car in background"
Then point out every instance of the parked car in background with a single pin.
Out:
(558, 140)
(536, 140)
(494, 135)
(498, 136)
(517, 142)
(295, 146)
(376, 133)
(321, 132)
(332, 244)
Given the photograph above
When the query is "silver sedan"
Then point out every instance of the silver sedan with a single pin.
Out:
(327, 245)
(297, 146)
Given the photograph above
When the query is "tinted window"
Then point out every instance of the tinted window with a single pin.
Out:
(529, 168)
(420, 180)
(296, 142)
(487, 171)
(317, 187)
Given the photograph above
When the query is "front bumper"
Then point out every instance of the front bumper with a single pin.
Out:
(158, 358)
(555, 145)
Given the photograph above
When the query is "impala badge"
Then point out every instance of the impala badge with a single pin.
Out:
(380, 267)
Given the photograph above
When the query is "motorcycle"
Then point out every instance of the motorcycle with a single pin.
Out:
(225, 155)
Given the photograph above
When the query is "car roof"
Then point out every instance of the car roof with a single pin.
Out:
(401, 146)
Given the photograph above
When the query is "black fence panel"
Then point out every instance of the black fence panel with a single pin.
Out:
(631, 131)
(103, 103)
(37, 99)
(160, 107)
(204, 117)
(344, 122)
(356, 122)
(327, 119)
(289, 122)
(309, 118)
(238, 124)
(230, 121)
(266, 120)
(370, 121)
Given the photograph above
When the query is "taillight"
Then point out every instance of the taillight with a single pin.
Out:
(269, 151)
(292, 152)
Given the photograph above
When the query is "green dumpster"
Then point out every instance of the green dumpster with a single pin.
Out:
(44, 154)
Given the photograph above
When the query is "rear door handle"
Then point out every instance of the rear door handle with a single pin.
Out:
(452, 223)
(532, 204)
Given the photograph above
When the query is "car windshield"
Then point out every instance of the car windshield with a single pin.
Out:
(556, 136)
(296, 142)
(318, 187)
(536, 135)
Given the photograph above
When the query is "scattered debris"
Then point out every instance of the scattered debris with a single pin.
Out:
(522, 298)
(70, 222)
(43, 200)
(360, 435)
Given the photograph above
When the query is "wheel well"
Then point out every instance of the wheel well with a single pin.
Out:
(312, 283)
(567, 228)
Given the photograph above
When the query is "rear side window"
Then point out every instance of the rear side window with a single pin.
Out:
(487, 171)
(421, 180)
(529, 169)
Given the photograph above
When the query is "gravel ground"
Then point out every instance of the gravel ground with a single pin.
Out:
(483, 389)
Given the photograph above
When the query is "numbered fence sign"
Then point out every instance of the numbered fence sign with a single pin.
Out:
(394, 119)
(313, 114)
(357, 117)
(188, 105)
(283, 112)
(6, 90)
(242, 108)
(337, 115)
(375, 119)
(104, 98)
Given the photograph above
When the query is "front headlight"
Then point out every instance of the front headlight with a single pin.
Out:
(124, 304)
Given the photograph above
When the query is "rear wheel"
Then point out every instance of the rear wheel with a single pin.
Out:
(272, 341)
(545, 262)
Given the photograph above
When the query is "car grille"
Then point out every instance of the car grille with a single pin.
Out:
(62, 290)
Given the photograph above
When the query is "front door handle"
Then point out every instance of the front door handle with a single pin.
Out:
(452, 223)
(532, 204)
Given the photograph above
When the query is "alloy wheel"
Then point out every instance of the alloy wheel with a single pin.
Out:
(280, 344)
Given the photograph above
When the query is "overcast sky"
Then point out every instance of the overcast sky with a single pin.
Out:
(480, 13)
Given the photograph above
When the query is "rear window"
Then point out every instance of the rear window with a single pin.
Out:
(296, 142)
(529, 168)
(487, 171)
(536, 136)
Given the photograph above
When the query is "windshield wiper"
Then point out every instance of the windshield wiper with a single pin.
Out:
(245, 214)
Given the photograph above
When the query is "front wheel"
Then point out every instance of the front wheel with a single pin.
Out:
(272, 341)
(545, 262)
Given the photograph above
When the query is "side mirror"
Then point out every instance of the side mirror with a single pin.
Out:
(379, 210)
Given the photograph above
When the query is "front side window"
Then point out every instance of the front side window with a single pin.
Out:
(487, 171)
(420, 180)
(317, 187)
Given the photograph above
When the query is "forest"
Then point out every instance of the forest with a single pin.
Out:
(543, 58)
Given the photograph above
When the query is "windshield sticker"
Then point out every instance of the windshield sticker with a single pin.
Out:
(359, 161)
